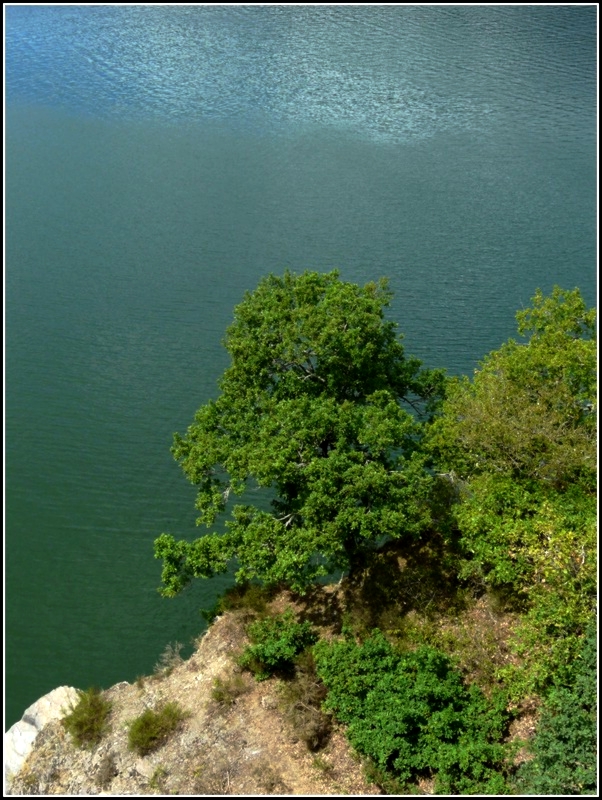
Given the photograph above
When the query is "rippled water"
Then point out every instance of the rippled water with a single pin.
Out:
(391, 74)
(160, 160)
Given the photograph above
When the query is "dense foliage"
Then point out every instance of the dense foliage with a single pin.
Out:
(412, 715)
(529, 411)
(494, 477)
(319, 405)
(565, 748)
(275, 643)
(519, 441)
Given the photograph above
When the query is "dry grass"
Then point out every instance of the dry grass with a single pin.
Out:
(216, 776)
(269, 779)
(301, 700)
(227, 689)
(169, 659)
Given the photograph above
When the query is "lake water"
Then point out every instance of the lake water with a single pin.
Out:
(159, 161)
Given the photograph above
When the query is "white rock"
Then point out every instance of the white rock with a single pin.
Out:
(145, 768)
(19, 739)
(17, 745)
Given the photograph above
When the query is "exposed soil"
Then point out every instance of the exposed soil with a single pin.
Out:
(246, 738)
(246, 747)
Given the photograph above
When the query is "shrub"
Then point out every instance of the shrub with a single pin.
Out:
(560, 587)
(87, 722)
(275, 643)
(565, 745)
(152, 728)
(412, 715)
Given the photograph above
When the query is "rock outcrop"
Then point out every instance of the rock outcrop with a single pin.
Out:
(237, 737)
(20, 738)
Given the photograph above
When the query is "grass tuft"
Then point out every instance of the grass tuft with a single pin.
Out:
(152, 728)
(87, 721)
(169, 659)
(226, 691)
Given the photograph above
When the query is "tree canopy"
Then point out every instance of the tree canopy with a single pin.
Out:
(321, 405)
(489, 485)
(529, 412)
(520, 443)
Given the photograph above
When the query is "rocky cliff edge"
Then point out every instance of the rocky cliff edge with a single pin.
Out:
(245, 742)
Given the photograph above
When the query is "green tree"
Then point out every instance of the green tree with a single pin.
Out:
(321, 405)
(519, 444)
(530, 410)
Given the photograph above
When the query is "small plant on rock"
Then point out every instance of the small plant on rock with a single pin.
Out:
(107, 769)
(152, 728)
(323, 765)
(225, 691)
(158, 778)
(87, 721)
(169, 659)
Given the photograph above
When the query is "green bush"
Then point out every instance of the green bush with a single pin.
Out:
(87, 722)
(565, 745)
(151, 729)
(275, 643)
(539, 545)
(413, 716)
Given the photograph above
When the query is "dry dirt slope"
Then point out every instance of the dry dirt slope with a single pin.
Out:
(246, 748)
